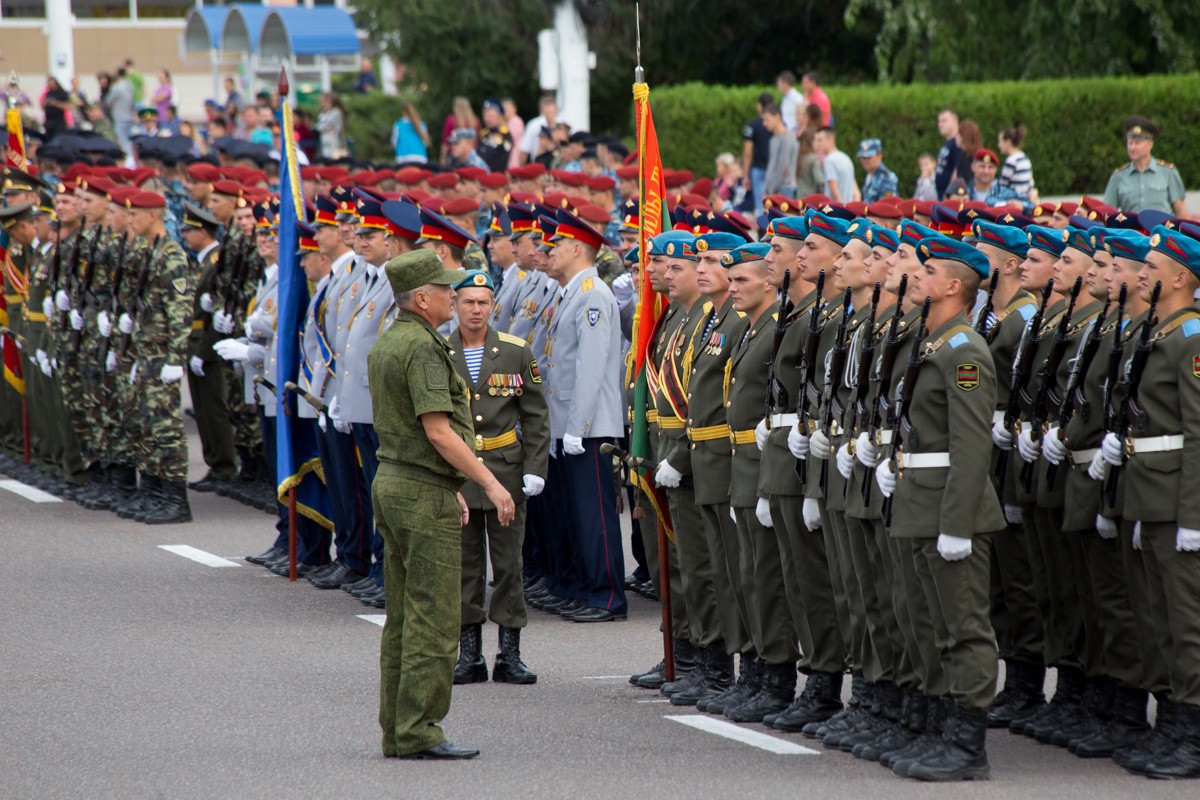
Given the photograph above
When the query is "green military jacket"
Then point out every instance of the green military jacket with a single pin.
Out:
(831, 316)
(1161, 486)
(1010, 329)
(506, 400)
(777, 474)
(745, 404)
(203, 336)
(1116, 509)
(843, 409)
(670, 400)
(707, 398)
(951, 412)
(411, 372)
(1054, 311)
(37, 326)
(162, 315)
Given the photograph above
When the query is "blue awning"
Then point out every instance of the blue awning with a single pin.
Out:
(242, 31)
(323, 30)
(203, 29)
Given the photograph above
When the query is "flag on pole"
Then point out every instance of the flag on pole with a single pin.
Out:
(651, 304)
(13, 282)
(16, 140)
(298, 465)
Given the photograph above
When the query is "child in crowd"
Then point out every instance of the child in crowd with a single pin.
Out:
(926, 190)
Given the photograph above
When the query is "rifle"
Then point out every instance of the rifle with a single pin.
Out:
(1116, 355)
(1131, 416)
(114, 313)
(631, 461)
(84, 285)
(1022, 374)
(237, 279)
(1074, 396)
(143, 276)
(309, 398)
(809, 392)
(887, 361)
(987, 331)
(777, 394)
(56, 264)
(904, 404)
(71, 278)
(1039, 406)
(833, 376)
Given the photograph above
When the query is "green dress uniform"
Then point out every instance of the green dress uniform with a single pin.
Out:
(210, 391)
(45, 413)
(1156, 188)
(411, 372)
(11, 419)
(506, 399)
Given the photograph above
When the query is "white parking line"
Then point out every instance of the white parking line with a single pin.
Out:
(753, 738)
(605, 677)
(655, 700)
(30, 493)
(207, 559)
(375, 619)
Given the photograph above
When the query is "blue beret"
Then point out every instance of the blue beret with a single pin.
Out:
(632, 255)
(745, 253)
(1077, 238)
(886, 237)
(1125, 243)
(790, 227)
(831, 228)
(1049, 240)
(1176, 245)
(1006, 237)
(718, 241)
(863, 230)
(913, 233)
(675, 244)
(475, 277)
(954, 250)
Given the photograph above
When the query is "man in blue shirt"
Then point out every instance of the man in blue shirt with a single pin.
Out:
(985, 187)
(878, 181)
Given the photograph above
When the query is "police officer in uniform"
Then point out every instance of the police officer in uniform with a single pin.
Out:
(1145, 183)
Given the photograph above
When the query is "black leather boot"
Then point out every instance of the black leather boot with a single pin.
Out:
(928, 741)
(912, 727)
(1125, 727)
(885, 707)
(1184, 760)
(820, 700)
(1097, 710)
(748, 682)
(962, 756)
(1066, 707)
(173, 507)
(689, 678)
(95, 494)
(508, 667)
(717, 678)
(849, 719)
(893, 733)
(136, 503)
(1169, 730)
(123, 480)
(471, 666)
(777, 688)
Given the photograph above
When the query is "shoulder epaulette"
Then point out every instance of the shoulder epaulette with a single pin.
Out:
(1123, 167)
(521, 274)
(741, 314)
(708, 306)
(587, 285)
(1162, 163)
(510, 339)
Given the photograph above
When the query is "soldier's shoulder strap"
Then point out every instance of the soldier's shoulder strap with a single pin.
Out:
(508, 338)
(1123, 167)
(956, 337)
(1189, 323)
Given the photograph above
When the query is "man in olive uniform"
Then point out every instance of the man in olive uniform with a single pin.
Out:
(506, 394)
(422, 418)
(948, 399)
(207, 372)
(17, 230)
(1146, 182)
(1160, 457)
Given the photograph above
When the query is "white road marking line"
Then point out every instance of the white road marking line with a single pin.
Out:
(30, 493)
(752, 738)
(605, 677)
(207, 559)
(375, 619)
(655, 700)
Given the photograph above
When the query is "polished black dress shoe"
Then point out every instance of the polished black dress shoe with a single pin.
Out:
(593, 615)
(379, 600)
(358, 586)
(321, 572)
(446, 751)
(208, 483)
(270, 555)
(336, 578)
(281, 568)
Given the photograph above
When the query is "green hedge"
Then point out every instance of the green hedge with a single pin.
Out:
(1074, 139)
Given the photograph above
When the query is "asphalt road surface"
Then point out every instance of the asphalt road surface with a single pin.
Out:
(130, 671)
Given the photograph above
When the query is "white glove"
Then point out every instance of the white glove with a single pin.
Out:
(1002, 437)
(1112, 448)
(1012, 514)
(335, 414)
(845, 461)
(222, 322)
(170, 373)
(1028, 449)
(819, 445)
(260, 326)
(104, 324)
(232, 350)
(733, 515)
(323, 422)
(62, 300)
(811, 512)
(953, 548)
(622, 289)
(206, 303)
(48, 306)
(798, 443)
(573, 445)
(197, 366)
(1098, 469)
(1137, 536)
(865, 452)
(343, 427)
(1054, 449)
(44, 362)
(110, 362)
(885, 478)
(664, 475)
(133, 373)
(760, 434)
(762, 510)
(1187, 540)
(1106, 527)
(533, 485)
(125, 324)
(76, 320)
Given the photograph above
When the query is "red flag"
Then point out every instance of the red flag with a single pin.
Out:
(12, 356)
(16, 140)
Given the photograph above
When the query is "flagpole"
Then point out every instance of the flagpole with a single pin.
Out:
(664, 556)
(12, 97)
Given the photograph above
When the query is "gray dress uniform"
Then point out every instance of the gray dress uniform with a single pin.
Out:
(261, 361)
(511, 288)
(361, 331)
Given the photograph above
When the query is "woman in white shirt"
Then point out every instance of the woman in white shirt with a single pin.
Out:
(1018, 169)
